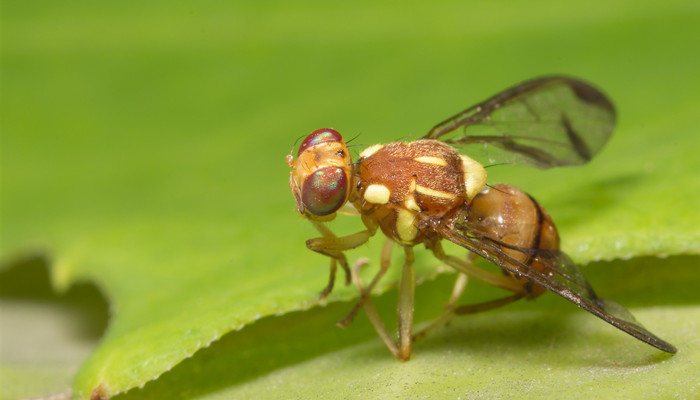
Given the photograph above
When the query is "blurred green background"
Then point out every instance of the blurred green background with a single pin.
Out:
(143, 150)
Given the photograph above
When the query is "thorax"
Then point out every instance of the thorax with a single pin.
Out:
(397, 181)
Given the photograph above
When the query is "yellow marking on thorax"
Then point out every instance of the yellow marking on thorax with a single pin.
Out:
(377, 194)
(370, 150)
(405, 226)
(411, 204)
(431, 160)
(410, 201)
(434, 193)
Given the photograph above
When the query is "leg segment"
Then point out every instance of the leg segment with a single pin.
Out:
(406, 301)
(460, 284)
(451, 308)
(402, 348)
(334, 247)
(365, 293)
(506, 282)
(365, 300)
(487, 305)
(331, 279)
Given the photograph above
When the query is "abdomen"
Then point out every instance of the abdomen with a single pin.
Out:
(517, 223)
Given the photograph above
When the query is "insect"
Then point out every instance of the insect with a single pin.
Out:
(425, 191)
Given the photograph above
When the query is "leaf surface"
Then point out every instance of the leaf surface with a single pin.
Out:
(143, 150)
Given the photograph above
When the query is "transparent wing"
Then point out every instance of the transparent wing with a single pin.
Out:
(561, 277)
(546, 122)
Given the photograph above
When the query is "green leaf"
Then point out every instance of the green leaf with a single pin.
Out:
(143, 150)
(543, 348)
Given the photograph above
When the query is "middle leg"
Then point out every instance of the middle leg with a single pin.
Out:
(401, 348)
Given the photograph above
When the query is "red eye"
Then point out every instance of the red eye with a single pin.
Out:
(324, 191)
(319, 136)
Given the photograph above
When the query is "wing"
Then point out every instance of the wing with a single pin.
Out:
(561, 277)
(546, 122)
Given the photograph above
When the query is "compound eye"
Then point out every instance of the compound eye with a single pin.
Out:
(324, 191)
(319, 136)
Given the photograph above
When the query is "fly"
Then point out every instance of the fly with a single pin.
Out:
(425, 191)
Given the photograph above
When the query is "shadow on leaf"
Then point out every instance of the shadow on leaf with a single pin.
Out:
(543, 330)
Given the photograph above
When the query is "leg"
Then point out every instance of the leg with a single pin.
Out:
(487, 305)
(506, 282)
(402, 348)
(384, 263)
(464, 310)
(406, 301)
(365, 300)
(460, 284)
(451, 308)
(331, 279)
(333, 247)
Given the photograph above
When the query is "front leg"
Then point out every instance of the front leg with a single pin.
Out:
(334, 247)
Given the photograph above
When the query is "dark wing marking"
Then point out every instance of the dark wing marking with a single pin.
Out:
(562, 278)
(546, 122)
